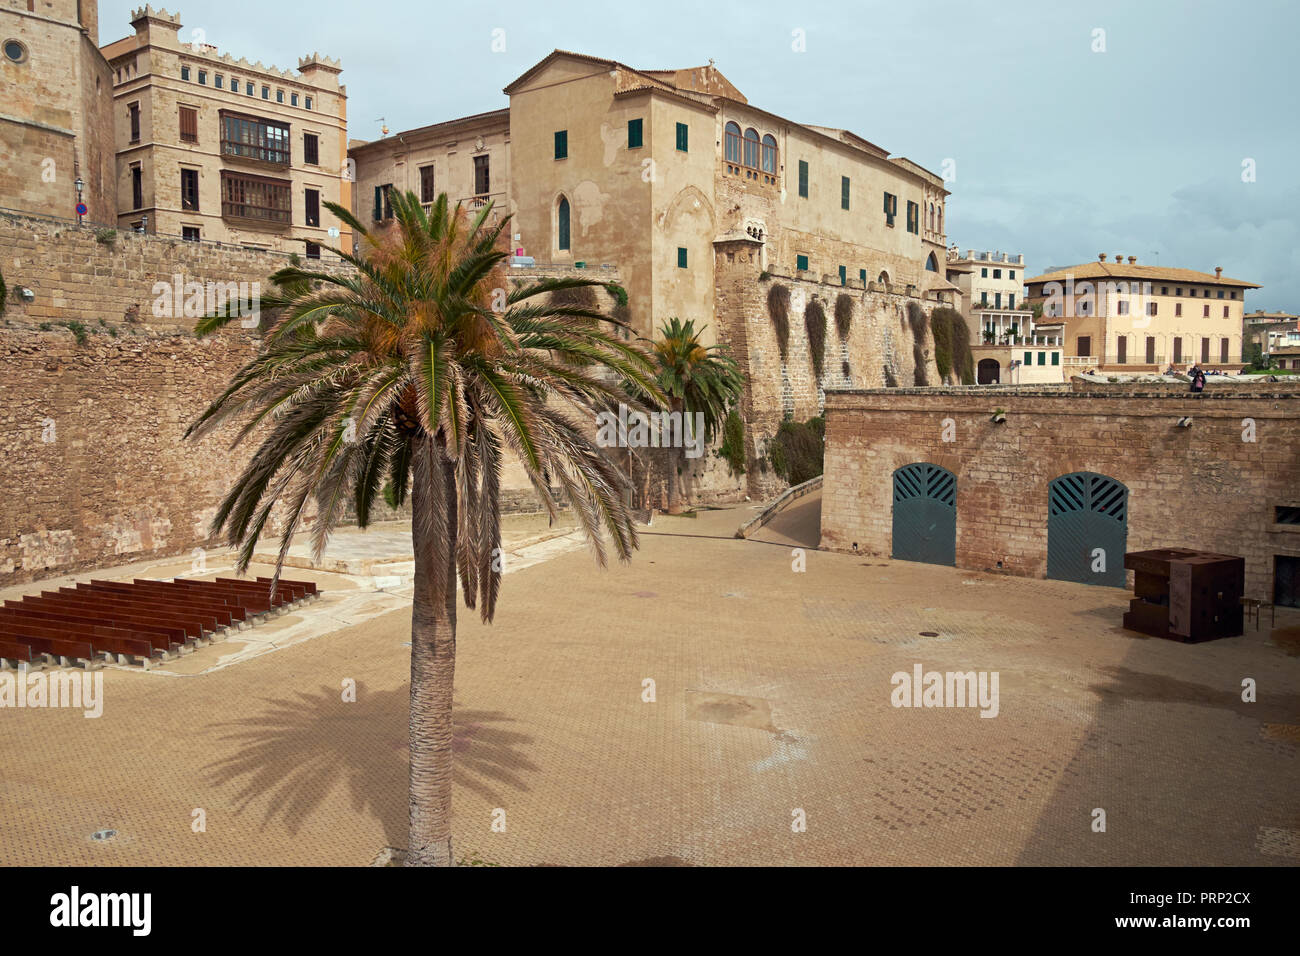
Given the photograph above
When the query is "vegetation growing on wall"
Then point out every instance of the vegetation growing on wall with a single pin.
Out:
(920, 374)
(798, 449)
(890, 380)
(582, 297)
(843, 314)
(618, 292)
(732, 450)
(814, 322)
(952, 345)
(4, 294)
(778, 307)
(916, 319)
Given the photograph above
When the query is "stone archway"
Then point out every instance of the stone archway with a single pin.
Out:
(989, 372)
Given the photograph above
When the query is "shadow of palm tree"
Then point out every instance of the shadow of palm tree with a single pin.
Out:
(294, 752)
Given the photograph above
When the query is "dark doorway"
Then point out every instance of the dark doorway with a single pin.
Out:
(1286, 580)
(989, 372)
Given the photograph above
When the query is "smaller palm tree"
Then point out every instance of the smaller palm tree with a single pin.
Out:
(696, 378)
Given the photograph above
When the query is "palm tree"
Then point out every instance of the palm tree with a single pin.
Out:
(421, 369)
(696, 378)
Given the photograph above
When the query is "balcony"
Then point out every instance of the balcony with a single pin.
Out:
(475, 203)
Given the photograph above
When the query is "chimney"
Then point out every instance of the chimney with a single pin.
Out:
(1101, 257)
(1119, 259)
(1218, 272)
(1132, 260)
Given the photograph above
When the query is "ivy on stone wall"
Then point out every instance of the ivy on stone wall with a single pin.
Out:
(814, 322)
(778, 308)
(843, 314)
(798, 450)
(618, 293)
(920, 374)
(952, 345)
(732, 450)
(4, 294)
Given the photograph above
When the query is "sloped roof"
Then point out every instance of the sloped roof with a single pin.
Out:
(1116, 270)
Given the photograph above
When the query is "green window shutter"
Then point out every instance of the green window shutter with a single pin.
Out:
(682, 142)
(844, 192)
(801, 263)
(803, 179)
(1011, 300)
(1042, 358)
(634, 134)
(379, 202)
(1029, 358)
(862, 274)
(681, 257)
(844, 275)
(1056, 358)
(984, 273)
(561, 143)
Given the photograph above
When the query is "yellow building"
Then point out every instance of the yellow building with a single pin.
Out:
(1120, 315)
(214, 148)
(600, 163)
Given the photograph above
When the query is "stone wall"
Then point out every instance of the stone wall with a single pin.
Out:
(878, 351)
(1200, 487)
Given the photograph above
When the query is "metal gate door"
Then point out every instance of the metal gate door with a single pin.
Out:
(1087, 529)
(925, 514)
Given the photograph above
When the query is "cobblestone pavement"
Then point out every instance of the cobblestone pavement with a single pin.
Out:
(772, 704)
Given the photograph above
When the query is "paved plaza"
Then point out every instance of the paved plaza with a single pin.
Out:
(772, 707)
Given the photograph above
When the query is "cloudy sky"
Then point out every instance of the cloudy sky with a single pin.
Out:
(1065, 141)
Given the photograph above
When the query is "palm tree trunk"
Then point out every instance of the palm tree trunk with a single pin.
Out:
(433, 654)
(675, 506)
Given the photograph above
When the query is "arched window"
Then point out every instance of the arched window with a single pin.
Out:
(769, 154)
(931, 264)
(883, 278)
(939, 221)
(562, 224)
(731, 140)
(751, 148)
(932, 217)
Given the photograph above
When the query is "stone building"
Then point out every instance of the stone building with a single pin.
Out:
(214, 148)
(56, 110)
(647, 169)
(1121, 316)
(989, 280)
(1061, 482)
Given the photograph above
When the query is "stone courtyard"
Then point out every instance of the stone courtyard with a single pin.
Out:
(772, 704)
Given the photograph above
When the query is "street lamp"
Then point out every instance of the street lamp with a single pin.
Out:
(80, 187)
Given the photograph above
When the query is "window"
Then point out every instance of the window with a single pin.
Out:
(312, 206)
(561, 144)
(1220, 294)
(1122, 307)
(1151, 350)
(189, 124)
(1042, 358)
(682, 142)
(1205, 350)
(190, 233)
(997, 273)
(1011, 274)
(1225, 311)
(248, 87)
(307, 102)
(1083, 346)
(1223, 350)
(293, 99)
(931, 263)
(1164, 290)
(310, 149)
(185, 73)
(634, 134)
(1056, 358)
(984, 272)
(190, 189)
(803, 178)
(1011, 300)
(844, 192)
(731, 143)
(984, 298)
(913, 211)
(844, 275)
(1178, 309)
(769, 154)
(481, 179)
(1152, 308)
(1029, 358)
(862, 277)
(255, 197)
(15, 51)
(562, 225)
(426, 184)
(383, 209)
(751, 148)
(133, 110)
(313, 250)
(1178, 349)
(251, 138)
(891, 208)
(997, 300)
(681, 257)
(801, 263)
(1121, 357)
(1205, 314)
(1286, 514)
(203, 77)
(1178, 290)
(266, 92)
(137, 187)
(219, 82)
(279, 96)
(234, 85)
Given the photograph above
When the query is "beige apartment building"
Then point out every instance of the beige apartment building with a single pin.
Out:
(56, 110)
(600, 163)
(214, 148)
(988, 280)
(1119, 315)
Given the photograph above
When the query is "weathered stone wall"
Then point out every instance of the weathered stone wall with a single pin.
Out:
(1200, 487)
(878, 350)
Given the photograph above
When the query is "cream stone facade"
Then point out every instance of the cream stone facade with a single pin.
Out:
(56, 110)
(603, 164)
(989, 280)
(214, 148)
(1122, 316)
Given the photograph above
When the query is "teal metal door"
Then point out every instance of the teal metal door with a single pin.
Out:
(925, 514)
(1087, 529)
